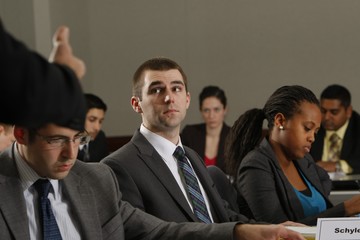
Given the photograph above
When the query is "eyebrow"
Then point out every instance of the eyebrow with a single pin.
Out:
(330, 109)
(175, 82)
(62, 136)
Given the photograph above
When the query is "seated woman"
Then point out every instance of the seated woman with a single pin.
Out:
(208, 138)
(278, 180)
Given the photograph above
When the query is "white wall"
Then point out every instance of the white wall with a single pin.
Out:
(247, 47)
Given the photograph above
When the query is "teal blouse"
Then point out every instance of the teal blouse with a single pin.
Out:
(312, 201)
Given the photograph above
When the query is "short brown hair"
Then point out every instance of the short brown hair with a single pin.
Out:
(155, 64)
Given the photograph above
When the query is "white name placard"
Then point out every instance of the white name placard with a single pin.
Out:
(338, 228)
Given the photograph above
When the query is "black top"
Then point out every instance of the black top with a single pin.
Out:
(194, 136)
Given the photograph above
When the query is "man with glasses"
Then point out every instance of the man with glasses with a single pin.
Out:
(47, 194)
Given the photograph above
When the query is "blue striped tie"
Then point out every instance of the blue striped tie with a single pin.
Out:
(47, 219)
(192, 186)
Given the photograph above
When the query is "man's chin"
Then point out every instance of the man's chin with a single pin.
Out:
(329, 127)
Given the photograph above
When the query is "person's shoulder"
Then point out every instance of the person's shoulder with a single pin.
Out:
(226, 126)
(96, 176)
(122, 154)
(259, 157)
(190, 151)
(194, 126)
(355, 115)
(5, 153)
(84, 168)
(6, 161)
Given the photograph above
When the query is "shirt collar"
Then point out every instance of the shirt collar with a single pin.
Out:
(340, 132)
(163, 146)
(27, 175)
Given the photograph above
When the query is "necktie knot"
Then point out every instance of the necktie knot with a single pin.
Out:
(42, 187)
(179, 153)
(334, 138)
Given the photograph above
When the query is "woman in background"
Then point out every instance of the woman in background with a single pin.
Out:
(278, 180)
(208, 138)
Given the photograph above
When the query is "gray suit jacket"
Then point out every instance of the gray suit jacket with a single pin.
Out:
(93, 193)
(147, 183)
(265, 191)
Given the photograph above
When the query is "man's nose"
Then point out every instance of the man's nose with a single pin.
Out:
(169, 98)
(70, 150)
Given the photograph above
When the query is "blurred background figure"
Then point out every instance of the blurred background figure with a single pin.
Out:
(337, 145)
(40, 91)
(97, 148)
(208, 138)
(6, 135)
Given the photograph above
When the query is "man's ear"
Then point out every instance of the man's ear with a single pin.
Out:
(20, 134)
(188, 98)
(135, 103)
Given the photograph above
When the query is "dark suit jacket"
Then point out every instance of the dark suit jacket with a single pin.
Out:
(98, 149)
(147, 183)
(93, 193)
(351, 144)
(194, 136)
(266, 193)
(35, 91)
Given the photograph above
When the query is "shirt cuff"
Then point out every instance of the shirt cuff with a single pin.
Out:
(345, 167)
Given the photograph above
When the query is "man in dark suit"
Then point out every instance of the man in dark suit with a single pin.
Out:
(338, 118)
(97, 148)
(147, 171)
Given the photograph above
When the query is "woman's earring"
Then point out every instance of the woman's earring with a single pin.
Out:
(281, 127)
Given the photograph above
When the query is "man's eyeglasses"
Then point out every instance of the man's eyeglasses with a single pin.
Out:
(58, 142)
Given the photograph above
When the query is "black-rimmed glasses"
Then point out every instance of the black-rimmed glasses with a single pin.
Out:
(59, 141)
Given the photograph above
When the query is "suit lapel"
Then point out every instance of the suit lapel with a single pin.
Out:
(82, 205)
(155, 163)
(14, 212)
(349, 140)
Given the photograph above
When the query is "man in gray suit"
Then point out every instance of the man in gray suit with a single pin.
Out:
(84, 197)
